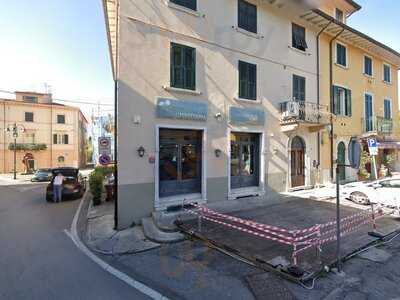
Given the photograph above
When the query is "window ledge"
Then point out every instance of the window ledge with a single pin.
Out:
(257, 101)
(184, 9)
(387, 82)
(183, 91)
(369, 76)
(341, 66)
(299, 51)
(248, 33)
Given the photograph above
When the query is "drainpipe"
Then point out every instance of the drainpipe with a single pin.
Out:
(4, 136)
(115, 156)
(318, 91)
(331, 93)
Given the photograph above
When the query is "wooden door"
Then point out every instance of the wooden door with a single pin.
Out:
(297, 155)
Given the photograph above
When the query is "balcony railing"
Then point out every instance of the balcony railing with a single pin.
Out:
(378, 125)
(302, 111)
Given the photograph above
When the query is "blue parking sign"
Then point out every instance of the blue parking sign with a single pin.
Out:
(372, 147)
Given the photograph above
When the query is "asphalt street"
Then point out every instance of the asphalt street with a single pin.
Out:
(38, 260)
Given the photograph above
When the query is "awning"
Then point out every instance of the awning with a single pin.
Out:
(350, 35)
(389, 145)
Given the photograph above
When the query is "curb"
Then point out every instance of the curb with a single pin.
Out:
(73, 234)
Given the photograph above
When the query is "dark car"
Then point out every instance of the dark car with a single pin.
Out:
(74, 185)
(42, 175)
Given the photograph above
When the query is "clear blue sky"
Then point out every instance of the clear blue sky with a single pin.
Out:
(63, 43)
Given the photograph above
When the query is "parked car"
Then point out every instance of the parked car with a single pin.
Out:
(42, 175)
(74, 185)
(384, 191)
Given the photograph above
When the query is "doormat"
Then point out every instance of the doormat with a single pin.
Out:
(267, 286)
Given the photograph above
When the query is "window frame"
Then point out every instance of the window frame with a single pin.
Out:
(247, 26)
(390, 73)
(386, 99)
(32, 99)
(346, 109)
(372, 66)
(336, 14)
(60, 115)
(241, 94)
(184, 85)
(293, 43)
(174, 2)
(346, 66)
(29, 113)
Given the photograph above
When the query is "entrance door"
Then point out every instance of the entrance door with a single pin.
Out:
(180, 160)
(369, 123)
(245, 162)
(297, 156)
(341, 159)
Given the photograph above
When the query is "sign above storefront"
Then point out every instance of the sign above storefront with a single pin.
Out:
(183, 110)
(246, 116)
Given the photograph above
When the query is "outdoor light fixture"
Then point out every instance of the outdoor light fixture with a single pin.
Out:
(218, 116)
(141, 151)
(218, 152)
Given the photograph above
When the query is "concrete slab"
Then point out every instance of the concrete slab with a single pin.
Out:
(132, 240)
(267, 286)
(376, 255)
(153, 233)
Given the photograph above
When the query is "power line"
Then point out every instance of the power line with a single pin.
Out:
(68, 101)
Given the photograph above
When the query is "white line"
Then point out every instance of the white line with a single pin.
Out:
(73, 234)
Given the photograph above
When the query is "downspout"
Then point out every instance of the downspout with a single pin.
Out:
(319, 92)
(4, 136)
(331, 94)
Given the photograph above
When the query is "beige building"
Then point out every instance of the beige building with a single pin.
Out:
(49, 134)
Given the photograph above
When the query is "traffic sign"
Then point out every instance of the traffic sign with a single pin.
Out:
(373, 147)
(105, 145)
(104, 159)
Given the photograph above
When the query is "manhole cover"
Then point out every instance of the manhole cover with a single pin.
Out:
(267, 286)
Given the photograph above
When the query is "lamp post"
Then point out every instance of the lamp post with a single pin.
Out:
(13, 129)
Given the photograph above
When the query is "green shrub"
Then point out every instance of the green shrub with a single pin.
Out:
(96, 186)
(27, 147)
(105, 170)
(362, 172)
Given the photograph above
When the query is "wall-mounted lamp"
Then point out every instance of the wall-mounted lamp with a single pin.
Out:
(218, 116)
(141, 151)
(218, 152)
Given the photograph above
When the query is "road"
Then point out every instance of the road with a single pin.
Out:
(38, 260)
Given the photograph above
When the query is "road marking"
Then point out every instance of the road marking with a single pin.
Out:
(73, 234)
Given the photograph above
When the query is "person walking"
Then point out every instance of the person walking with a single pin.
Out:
(58, 187)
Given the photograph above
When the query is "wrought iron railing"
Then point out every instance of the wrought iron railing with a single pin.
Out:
(304, 111)
(376, 124)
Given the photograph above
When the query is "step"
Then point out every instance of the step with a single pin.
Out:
(155, 234)
(165, 221)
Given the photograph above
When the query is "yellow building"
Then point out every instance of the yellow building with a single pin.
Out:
(49, 134)
(359, 82)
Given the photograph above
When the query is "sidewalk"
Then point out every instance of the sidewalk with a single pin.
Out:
(8, 179)
(191, 270)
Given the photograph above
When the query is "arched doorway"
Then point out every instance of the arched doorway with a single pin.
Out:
(297, 158)
(29, 162)
(341, 160)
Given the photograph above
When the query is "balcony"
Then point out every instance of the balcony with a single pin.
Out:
(377, 125)
(302, 113)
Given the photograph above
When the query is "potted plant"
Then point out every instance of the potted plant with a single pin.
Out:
(96, 186)
(388, 160)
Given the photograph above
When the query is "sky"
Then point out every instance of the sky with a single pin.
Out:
(63, 43)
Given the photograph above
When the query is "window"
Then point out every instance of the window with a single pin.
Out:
(29, 138)
(299, 37)
(387, 109)
(183, 67)
(341, 55)
(31, 99)
(191, 4)
(60, 119)
(61, 159)
(247, 16)
(387, 76)
(28, 116)
(59, 139)
(299, 88)
(367, 65)
(247, 81)
(339, 15)
(341, 101)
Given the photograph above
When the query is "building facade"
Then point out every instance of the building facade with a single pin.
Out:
(216, 103)
(49, 134)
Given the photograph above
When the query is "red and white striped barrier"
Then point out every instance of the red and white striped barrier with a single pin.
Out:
(300, 240)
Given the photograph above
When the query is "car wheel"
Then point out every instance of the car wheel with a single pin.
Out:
(359, 197)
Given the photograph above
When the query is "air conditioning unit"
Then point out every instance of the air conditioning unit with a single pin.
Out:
(292, 110)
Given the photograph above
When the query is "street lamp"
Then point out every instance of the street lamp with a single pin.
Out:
(13, 129)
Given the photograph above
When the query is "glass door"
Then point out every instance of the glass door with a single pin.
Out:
(180, 161)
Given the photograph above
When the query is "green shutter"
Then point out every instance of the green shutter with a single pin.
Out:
(336, 100)
(348, 103)
(66, 139)
(54, 138)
